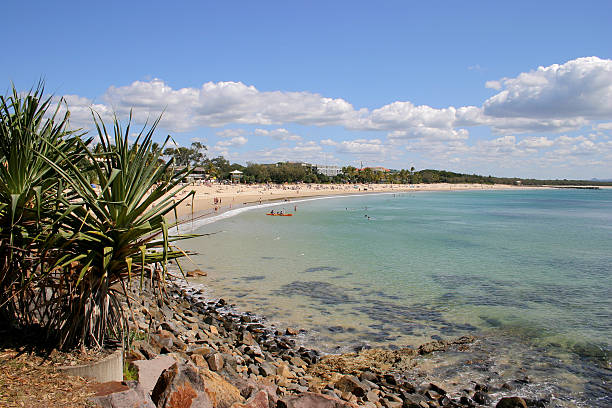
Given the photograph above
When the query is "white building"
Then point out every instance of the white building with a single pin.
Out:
(329, 171)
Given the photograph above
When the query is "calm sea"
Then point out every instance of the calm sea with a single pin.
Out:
(528, 271)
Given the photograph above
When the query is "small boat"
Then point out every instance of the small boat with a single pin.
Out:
(280, 215)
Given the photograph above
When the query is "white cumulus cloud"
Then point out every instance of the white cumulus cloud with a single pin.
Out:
(278, 134)
(581, 88)
(555, 99)
(429, 134)
(222, 103)
(233, 142)
(493, 85)
(536, 142)
(604, 126)
(303, 151)
(362, 147)
(226, 133)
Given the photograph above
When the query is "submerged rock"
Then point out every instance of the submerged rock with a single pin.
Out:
(195, 273)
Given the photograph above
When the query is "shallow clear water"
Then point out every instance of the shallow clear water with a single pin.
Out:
(532, 267)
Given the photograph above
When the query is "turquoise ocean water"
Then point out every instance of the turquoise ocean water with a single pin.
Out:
(529, 271)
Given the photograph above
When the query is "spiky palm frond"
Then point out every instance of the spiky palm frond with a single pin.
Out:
(111, 233)
(32, 135)
(69, 250)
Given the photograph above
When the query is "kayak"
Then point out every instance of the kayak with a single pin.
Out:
(280, 215)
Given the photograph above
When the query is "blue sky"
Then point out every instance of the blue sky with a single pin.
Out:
(516, 89)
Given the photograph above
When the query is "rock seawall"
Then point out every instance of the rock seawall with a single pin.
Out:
(189, 351)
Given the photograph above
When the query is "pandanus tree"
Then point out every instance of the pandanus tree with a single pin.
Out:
(34, 141)
(113, 235)
(70, 250)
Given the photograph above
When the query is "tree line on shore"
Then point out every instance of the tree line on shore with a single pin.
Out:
(288, 172)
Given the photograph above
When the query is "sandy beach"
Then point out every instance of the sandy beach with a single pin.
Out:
(216, 198)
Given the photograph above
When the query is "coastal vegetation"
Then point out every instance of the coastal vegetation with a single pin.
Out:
(296, 172)
(69, 249)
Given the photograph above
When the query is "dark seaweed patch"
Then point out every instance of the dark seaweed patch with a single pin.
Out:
(449, 296)
(322, 269)
(491, 321)
(253, 278)
(336, 329)
(387, 315)
(324, 292)
(484, 291)
(465, 327)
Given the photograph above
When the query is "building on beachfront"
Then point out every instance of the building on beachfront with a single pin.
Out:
(198, 173)
(329, 171)
(236, 175)
(298, 163)
(307, 166)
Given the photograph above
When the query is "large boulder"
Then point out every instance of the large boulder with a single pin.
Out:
(413, 400)
(150, 370)
(116, 394)
(215, 362)
(313, 400)
(249, 387)
(199, 361)
(259, 400)
(221, 392)
(350, 383)
(183, 386)
(163, 340)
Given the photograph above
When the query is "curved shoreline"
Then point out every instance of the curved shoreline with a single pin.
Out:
(209, 218)
(212, 212)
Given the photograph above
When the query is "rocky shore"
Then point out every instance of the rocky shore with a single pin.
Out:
(189, 351)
